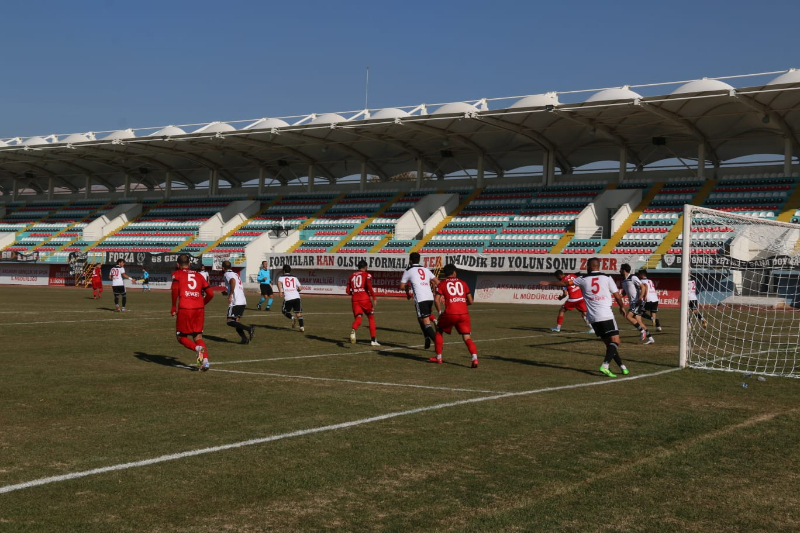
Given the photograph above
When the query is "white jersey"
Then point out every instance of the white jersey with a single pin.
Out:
(204, 273)
(420, 279)
(116, 276)
(692, 290)
(238, 291)
(652, 295)
(291, 287)
(633, 288)
(598, 290)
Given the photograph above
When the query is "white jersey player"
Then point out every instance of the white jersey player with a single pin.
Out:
(237, 302)
(694, 308)
(416, 282)
(650, 298)
(600, 292)
(632, 287)
(118, 276)
(289, 289)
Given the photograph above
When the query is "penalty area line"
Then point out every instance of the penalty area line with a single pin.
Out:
(303, 432)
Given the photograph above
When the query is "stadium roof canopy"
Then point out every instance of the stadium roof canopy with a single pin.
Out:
(705, 120)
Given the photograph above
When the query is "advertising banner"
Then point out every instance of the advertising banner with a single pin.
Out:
(321, 281)
(61, 276)
(724, 261)
(18, 257)
(24, 274)
(472, 262)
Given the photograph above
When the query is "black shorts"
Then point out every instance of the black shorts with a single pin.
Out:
(424, 309)
(235, 311)
(692, 304)
(145, 281)
(119, 290)
(292, 306)
(651, 307)
(605, 328)
(266, 289)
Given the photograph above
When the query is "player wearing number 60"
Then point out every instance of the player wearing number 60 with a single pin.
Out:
(453, 294)
(190, 294)
(599, 292)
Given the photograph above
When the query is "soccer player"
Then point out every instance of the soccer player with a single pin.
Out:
(145, 280)
(574, 301)
(359, 287)
(453, 294)
(417, 280)
(203, 272)
(97, 282)
(190, 294)
(650, 298)
(289, 289)
(118, 277)
(236, 303)
(264, 279)
(599, 292)
(693, 307)
(632, 287)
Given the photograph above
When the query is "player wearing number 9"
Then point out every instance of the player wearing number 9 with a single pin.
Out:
(190, 294)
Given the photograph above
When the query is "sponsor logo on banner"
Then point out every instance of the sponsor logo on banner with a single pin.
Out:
(19, 257)
(22, 274)
(669, 260)
(471, 262)
(60, 275)
(724, 261)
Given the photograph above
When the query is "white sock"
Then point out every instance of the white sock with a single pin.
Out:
(474, 357)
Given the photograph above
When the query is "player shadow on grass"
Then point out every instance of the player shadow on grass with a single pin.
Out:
(214, 338)
(405, 355)
(539, 330)
(164, 360)
(106, 309)
(340, 343)
(537, 364)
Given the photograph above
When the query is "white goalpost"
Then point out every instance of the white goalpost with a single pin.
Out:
(747, 277)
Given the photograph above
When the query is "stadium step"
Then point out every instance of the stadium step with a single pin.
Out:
(313, 218)
(122, 227)
(677, 228)
(91, 215)
(633, 217)
(240, 226)
(381, 243)
(417, 247)
(367, 222)
(41, 220)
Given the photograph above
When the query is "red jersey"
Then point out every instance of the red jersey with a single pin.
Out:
(574, 292)
(97, 274)
(189, 286)
(455, 294)
(359, 286)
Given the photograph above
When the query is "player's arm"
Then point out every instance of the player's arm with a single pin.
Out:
(434, 280)
(618, 297)
(644, 288)
(557, 283)
(280, 289)
(564, 294)
(438, 302)
(370, 291)
(469, 299)
(176, 289)
(231, 287)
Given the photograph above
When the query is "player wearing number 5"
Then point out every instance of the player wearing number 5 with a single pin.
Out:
(453, 294)
(599, 293)
(190, 294)
(289, 289)
(417, 280)
(359, 287)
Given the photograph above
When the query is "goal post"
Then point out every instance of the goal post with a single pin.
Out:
(746, 271)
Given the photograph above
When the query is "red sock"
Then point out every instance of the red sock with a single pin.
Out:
(471, 346)
(439, 343)
(186, 341)
(560, 320)
(357, 322)
(201, 342)
(373, 330)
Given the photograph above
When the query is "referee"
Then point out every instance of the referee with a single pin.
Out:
(264, 279)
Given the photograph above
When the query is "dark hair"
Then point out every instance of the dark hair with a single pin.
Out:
(558, 272)
(287, 269)
(183, 259)
(449, 269)
(226, 265)
(590, 262)
(625, 267)
(362, 264)
(642, 272)
(120, 261)
(414, 258)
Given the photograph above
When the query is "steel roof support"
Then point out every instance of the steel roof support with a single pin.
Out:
(43, 171)
(311, 176)
(617, 139)
(701, 161)
(787, 157)
(284, 149)
(686, 125)
(342, 147)
(150, 183)
(771, 115)
(403, 146)
(200, 160)
(462, 139)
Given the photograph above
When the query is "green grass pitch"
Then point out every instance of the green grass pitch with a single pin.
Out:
(307, 432)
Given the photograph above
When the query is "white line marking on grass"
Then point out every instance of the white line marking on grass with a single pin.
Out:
(385, 384)
(300, 433)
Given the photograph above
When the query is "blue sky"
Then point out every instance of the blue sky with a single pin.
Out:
(93, 66)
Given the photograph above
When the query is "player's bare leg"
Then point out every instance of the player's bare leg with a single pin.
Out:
(589, 324)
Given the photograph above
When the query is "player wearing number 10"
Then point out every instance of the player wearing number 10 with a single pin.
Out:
(190, 294)
(359, 287)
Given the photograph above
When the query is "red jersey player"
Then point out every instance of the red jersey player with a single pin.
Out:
(190, 294)
(454, 295)
(97, 282)
(359, 287)
(574, 298)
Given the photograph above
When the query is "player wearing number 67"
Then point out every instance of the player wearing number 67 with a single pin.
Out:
(190, 294)
(453, 294)
(599, 293)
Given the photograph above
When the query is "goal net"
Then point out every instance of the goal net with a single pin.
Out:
(746, 276)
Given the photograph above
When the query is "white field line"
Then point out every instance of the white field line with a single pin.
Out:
(381, 383)
(300, 433)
